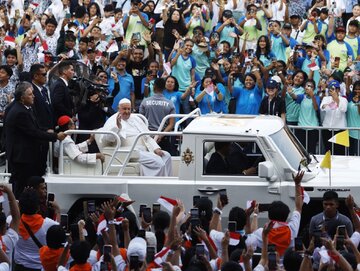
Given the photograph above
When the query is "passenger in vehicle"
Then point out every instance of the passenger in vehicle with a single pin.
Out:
(153, 160)
(76, 152)
(218, 163)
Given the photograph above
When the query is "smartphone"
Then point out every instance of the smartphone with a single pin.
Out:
(195, 222)
(264, 207)
(107, 251)
(141, 233)
(136, 36)
(156, 208)
(341, 230)
(67, 15)
(150, 254)
(134, 262)
(74, 230)
(272, 261)
(223, 197)
(147, 214)
(250, 53)
(298, 244)
(64, 221)
(200, 249)
(271, 248)
(194, 213)
(340, 243)
(317, 237)
(51, 197)
(232, 226)
(91, 206)
(142, 206)
(196, 200)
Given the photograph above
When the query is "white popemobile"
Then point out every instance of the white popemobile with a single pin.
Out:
(264, 136)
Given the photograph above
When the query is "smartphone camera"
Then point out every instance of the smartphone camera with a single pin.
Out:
(107, 249)
(146, 212)
(200, 250)
(232, 226)
(223, 197)
(298, 244)
(272, 261)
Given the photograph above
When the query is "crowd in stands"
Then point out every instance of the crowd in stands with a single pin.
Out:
(298, 60)
(294, 59)
(113, 236)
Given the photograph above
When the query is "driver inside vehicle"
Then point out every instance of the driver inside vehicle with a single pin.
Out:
(232, 158)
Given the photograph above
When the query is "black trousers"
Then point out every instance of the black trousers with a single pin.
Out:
(19, 267)
(313, 138)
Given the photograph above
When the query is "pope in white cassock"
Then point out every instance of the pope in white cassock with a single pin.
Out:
(153, 160)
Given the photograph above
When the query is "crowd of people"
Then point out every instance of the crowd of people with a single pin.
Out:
(113, 236)
(91, 64)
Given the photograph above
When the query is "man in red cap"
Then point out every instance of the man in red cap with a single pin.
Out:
(23, 139)
(76, 152)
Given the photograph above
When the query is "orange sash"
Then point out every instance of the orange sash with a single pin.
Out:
(281, 238)
(81, 267)
(34, 221)
(50, 257)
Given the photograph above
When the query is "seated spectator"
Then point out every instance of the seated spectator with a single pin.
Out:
(76, 152)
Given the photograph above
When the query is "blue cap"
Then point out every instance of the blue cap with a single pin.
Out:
(271, 84)
(334, 83)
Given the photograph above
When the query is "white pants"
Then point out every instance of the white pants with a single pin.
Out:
(152, 164)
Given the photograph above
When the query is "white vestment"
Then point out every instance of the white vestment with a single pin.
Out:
(151, 164)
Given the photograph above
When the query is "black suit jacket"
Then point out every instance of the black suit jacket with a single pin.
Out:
(23, 135)
(217, 165)
(42, 110)
(61, 100)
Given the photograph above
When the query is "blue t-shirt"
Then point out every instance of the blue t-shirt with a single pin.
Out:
(247, 101)
(278, 47)
(175, 97)
(126, 82)
(182, 70)
(210, 103)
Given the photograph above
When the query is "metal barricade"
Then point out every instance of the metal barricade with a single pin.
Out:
(314, 139)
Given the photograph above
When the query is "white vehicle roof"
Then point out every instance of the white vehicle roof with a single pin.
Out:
(242, 125)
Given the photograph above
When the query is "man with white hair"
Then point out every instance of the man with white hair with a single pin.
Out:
(153, 160)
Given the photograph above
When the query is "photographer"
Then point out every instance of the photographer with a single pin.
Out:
(93, 114)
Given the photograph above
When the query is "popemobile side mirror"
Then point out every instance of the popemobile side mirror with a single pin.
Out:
(266, 170)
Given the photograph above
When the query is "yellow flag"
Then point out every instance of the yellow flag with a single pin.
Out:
(326, 162)
(341, 138)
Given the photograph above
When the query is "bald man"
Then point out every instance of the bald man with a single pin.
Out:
(153, 160)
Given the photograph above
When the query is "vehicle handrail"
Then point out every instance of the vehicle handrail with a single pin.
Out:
(191, 114)
(127, 159)
(143, 118)
(82, 132)
(323, 128)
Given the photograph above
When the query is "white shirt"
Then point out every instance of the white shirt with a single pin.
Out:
(278, 14)
(10, 239)
(335, 115)
(76, 152)
(120, 263)
(4, 267)
(297, 35)
(239, 7)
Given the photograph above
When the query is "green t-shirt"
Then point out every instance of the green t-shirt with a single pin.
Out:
(293, 108)
(353, 119)
(307, 115)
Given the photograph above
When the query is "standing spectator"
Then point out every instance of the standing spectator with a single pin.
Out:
(340, 48)
(9, 235)
(292, 108)
(209, 97)
(174, 28)
(251, 24)
(126, 81)
(27, 255)
(248, 98)
(278, 10)
(353, 118)
(183, 68)
(135, 22)
(308, 116)
(263, 51)
(272, 104)
(296, 33)
(311, 27)
(51, 36)
(155, 109)
(6, 89)
(14, 61)
(352, 37)
(60, 92)
(42, 105)
(226, 26)
(334, 107)
(24, 138)
(194, 19)
(330, 218)
(200, 51)
(278, 40)
(355, 15)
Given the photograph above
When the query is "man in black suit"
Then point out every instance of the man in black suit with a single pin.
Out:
(42, 106)
(23, 138)
(218, 164)
(60, 94)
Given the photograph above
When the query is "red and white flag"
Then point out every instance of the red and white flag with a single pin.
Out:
(160, 257)
(167, 203)
(305, 196)
(103, 223)
(234, 238)
(9, 41)
(313, 66)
